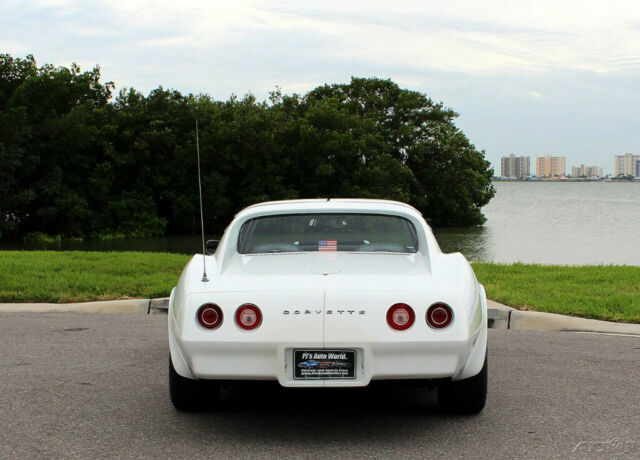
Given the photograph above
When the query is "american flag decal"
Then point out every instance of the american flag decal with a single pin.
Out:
(328, 245)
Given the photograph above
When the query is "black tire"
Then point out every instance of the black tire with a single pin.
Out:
(466, 396)
(192, 395)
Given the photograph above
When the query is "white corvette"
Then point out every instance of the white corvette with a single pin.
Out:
(328, 293)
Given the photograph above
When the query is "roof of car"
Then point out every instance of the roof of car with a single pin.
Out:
(330, 203)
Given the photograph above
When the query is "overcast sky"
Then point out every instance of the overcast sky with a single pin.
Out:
(537, 77)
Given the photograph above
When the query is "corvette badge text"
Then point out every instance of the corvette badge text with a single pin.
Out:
(328, 312)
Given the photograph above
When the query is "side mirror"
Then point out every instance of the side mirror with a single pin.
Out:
(211, 246)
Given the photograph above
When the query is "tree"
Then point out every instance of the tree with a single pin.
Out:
(77, 162)
(428, 161)
(45, 147)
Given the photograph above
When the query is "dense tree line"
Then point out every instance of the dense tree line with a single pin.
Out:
(77, 161)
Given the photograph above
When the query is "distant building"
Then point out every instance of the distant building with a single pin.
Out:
(586, 171)
(626, 165)
(594, 171)
(551, 166)
(513, 166)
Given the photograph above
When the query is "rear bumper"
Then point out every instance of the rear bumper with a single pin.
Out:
(374, 360)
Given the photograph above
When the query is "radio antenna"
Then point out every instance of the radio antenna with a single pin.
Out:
(204, 253)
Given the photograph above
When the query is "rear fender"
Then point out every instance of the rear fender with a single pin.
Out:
(474, 363)
(177, 358)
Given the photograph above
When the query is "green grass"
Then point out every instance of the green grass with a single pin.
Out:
(603, 292)
(76, 276)
(609, 292)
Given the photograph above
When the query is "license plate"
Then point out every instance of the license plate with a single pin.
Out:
(324, 364)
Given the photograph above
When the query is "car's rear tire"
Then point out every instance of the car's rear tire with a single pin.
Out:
(466, 396)
(192, 395)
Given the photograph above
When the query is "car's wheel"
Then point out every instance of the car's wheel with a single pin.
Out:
(466, 396)
(192, 395)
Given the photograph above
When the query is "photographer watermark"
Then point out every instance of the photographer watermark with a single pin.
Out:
(615, 446)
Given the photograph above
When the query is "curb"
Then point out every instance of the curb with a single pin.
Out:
(158, 306)
(498, 315)
(139, 306)
(107, 306)
(503, 317)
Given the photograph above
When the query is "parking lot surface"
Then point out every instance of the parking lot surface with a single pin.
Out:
(95, 385)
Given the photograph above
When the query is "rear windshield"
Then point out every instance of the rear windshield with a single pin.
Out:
(327, 232)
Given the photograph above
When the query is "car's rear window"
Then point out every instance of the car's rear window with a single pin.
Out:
(327, 232)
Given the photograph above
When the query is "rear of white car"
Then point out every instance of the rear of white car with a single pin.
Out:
(325, 316)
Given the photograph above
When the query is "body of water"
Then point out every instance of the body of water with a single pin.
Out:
(555, 223)
(533, 222)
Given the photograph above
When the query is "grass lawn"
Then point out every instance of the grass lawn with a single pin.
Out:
(75, 276)
(609, 292)
(603, 292)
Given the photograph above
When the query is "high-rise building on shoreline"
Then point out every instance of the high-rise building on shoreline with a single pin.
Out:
(586, 171)
(594, 171)
(551, 166)
(626, 165)
(513, 166)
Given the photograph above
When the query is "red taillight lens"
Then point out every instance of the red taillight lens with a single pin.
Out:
(439, 315)
(248, 316)
(400, 316)
(209, 316)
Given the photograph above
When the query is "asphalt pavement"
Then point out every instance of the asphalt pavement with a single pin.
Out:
(95, 385)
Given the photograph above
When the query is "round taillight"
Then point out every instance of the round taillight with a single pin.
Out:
(400, 316)
(209, 316)
(439, 315)
(248, 316)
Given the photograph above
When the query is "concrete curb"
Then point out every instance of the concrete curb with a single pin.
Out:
(157, 306)
(503, 317)
(499, 316)
(139, 306)
(107, 306)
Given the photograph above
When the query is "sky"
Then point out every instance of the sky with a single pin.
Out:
(527, 77)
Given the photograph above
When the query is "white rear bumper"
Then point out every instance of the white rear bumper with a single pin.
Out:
(374, 361)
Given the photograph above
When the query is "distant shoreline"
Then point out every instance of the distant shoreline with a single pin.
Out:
(503, 179)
